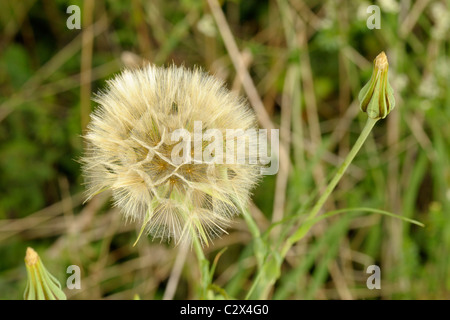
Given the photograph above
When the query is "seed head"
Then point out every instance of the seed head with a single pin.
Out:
(130, 150)
(377, 97)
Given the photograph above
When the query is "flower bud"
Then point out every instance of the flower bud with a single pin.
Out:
(377, 97)
(41, 284)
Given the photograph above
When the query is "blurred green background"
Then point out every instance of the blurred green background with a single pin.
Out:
(308, 61)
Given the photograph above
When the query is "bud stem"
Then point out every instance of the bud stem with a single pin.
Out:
(330, 187)
(351, 155)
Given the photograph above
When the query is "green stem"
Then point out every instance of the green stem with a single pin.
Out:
(204, 266)
(270, 269)
(319, 204)
(259, 246)
(351, 155)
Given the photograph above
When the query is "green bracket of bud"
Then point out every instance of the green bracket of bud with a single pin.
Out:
(377, 96)
(41, 285)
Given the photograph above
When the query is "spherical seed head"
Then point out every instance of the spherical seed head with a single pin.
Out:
(377, 96)
(131, 147)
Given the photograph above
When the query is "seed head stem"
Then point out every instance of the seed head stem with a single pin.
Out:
(204, 267)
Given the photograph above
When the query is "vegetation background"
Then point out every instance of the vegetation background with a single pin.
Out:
(308, 60)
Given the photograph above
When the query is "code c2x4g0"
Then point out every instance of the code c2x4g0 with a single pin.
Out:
(246, 309)
(229, 309)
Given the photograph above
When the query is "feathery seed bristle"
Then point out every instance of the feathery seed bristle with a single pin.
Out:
(129, 150)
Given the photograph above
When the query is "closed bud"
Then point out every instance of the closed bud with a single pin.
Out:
(41, 285)
(377, 96)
